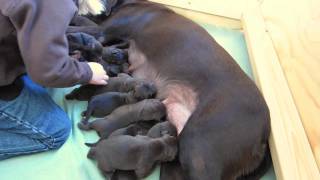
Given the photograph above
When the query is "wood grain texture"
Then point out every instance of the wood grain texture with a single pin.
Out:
(226, 8)
(291, 152)
(209, 19)
(294, 27)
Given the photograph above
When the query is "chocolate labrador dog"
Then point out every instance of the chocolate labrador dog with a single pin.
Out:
(221, 117)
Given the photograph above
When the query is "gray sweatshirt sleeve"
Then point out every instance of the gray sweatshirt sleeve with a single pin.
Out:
(41, 27)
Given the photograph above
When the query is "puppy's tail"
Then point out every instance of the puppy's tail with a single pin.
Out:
(91, 144)
(92, 153)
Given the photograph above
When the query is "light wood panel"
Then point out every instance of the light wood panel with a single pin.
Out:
(208, 18)
(291, 152)
(294, 27)
(226, 8)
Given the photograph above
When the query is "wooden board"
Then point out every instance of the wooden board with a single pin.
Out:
(294, 28)
(226, 8)
(208, 18)
(291, 152)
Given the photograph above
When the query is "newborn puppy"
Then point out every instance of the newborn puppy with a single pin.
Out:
(103, 104)
(121, 83)
(114, 69)
(116, 54)
(146, 110)
(76, 54)
(90, 48)
(82, 21)
(162, 129)
(139, 128)
(138, 153)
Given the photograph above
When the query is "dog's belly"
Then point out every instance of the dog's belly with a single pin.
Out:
(180, 99)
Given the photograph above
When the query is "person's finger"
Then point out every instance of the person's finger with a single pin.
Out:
(105, 77)
(103, 82)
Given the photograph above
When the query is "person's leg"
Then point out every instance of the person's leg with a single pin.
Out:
(31, 123)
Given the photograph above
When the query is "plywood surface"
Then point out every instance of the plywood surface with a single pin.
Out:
(290, 149)
(294, 28)
(226, 8)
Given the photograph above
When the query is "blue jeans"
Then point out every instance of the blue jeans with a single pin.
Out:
(31, 123)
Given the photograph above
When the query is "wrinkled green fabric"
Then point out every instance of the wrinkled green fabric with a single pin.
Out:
(70, 161)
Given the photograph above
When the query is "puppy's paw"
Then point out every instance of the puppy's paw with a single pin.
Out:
(84, 126)
(83, 113)
(69, 96)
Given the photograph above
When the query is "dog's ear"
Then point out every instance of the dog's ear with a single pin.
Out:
(109, 5)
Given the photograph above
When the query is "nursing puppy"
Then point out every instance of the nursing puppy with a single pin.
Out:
(90, 48)
(114, 69)
(160, 129)
(146, 110)
(138, 153)
(221, 117)
(116, 54)
(121, 83)
(138, 128)
(103, 104)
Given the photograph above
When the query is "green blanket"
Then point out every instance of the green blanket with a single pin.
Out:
(70, 161)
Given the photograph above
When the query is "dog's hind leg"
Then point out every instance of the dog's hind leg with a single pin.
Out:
(197, 161)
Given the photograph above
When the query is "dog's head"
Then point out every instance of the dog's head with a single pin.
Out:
(98, 7)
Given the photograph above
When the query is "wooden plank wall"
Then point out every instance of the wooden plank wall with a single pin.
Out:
(291, 153)
(226, 8)
(294, 28)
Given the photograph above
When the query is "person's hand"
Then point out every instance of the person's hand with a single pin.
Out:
(99, 75)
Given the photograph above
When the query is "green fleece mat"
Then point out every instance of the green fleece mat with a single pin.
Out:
(70, 162)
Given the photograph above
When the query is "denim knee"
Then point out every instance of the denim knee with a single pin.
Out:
(61, 134)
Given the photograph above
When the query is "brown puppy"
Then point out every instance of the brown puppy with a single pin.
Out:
(138, 128)
(146, 110)
(161, 129)
(139, 153)
(103, 104)
(121, 83)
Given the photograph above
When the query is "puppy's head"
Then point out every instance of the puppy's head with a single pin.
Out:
(145, 91)
(152, 109)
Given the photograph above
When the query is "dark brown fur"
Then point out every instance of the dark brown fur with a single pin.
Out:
(121, 83)
(227, 133)
(146, 110)
(139, 153)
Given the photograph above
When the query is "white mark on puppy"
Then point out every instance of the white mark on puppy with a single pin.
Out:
(94, 7)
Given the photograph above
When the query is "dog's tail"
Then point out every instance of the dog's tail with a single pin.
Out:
(261, 169)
